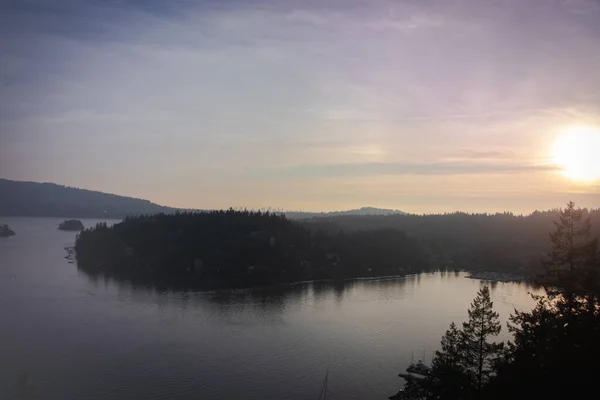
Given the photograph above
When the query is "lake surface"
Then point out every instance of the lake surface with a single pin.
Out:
(64, 335)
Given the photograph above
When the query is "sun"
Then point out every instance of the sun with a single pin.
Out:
(577, 154)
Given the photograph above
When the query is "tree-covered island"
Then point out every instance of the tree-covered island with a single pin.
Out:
(240, 249)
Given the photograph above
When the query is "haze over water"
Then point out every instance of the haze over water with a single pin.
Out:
(74, 337)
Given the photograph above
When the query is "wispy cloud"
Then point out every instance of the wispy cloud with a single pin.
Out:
(327, 171)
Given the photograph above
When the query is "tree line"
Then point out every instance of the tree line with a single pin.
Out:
(502, 242)
(555, 351)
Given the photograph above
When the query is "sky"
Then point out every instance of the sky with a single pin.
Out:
(420, 105)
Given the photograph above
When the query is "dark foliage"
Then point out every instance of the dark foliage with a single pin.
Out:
(239, 248)
(556, 348)
(481, 355)
(555, 353)
(572, 268)
(501, 242)
(449, 377)
(468, 357)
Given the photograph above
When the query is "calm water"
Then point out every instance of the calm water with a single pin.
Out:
(76, 338)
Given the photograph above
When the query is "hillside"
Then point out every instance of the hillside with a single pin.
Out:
(359, 211)
(32, 199)
(498, 242)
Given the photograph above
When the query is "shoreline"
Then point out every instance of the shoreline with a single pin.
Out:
(495, 276)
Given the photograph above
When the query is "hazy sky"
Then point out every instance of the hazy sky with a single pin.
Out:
(419, 105)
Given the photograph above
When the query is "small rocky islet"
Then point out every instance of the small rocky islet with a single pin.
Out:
(71, 225)
(5, 231)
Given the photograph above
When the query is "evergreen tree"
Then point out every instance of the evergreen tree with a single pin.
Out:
(467, 357)
(572, 269)
(448, 378)
(481, 355)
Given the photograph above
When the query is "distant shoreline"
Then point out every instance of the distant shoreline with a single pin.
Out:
(495, 276)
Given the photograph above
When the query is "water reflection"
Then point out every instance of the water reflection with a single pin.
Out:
(275, 298)
(272, 299)
(262, 305)
(272, 306)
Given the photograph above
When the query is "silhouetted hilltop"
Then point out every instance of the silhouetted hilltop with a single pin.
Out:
(358, 211)
(32, 199)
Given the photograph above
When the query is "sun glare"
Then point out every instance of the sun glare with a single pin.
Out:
(577, 154)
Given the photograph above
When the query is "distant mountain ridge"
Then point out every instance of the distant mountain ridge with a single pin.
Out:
(34, 199)
(357, 211)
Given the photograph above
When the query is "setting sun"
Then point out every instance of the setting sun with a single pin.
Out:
(577, 154)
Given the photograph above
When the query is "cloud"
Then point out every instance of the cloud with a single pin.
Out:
(198, 91)
(470, 154)
(327, 171)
